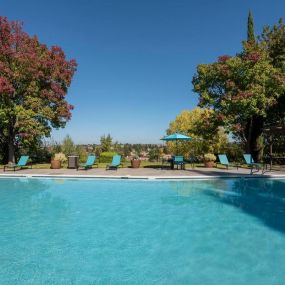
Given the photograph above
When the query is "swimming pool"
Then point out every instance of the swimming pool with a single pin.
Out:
(68, 231)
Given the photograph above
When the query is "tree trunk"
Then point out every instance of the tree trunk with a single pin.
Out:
(11, 146)
(255, 143)
(4, 152)
(248, 135)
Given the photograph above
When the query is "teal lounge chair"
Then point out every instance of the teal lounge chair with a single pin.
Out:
(91, 160)
(250, 162)
(116, 162)
(22, 163)
(224, 161)
(179, 160)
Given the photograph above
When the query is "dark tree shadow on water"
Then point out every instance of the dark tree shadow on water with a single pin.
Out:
(261, 198)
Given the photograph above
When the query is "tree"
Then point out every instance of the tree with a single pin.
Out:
(250, 29)
(275, 44)
(241, 89)
(81, 152)
(68, 146)
(154, 154)
(106, 143)
(247, 90)
(34, 81)
(198, 124)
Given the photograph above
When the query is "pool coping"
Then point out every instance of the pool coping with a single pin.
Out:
(140, 177)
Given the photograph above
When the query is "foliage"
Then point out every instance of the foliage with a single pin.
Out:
(235, 152)
(241, 90)
(154, 154)
(136, 157)
(55, 147)
(60, 156)
(106, 157)
(68, 147)
(106, 143)
(97, 150)
(34, 80)
(200, 126)
(250, 28)
(38, 153)
(274, 40)
(82, 153)
(209, 157)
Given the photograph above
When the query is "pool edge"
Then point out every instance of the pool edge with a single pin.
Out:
(142, 177)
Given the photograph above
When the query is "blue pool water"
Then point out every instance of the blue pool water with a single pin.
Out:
(227, 231)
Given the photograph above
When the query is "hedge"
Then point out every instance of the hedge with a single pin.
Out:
(106, 157)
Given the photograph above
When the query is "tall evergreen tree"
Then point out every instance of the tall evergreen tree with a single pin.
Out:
(250, 28)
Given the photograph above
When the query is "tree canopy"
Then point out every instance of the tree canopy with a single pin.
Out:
(244, 89)
(197, 124)
(68, 147)
(34, 80)
(106, 143)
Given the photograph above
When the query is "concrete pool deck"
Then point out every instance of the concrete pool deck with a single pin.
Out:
(140, 173)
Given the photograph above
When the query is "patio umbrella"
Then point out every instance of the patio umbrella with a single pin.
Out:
(176, 137)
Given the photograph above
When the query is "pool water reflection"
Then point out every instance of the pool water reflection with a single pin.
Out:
(223, 231)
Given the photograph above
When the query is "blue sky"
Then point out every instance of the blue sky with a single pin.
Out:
(136, 58)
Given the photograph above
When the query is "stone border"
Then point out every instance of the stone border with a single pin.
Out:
(133, 177)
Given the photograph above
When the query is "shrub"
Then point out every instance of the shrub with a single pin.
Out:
(106, 157)
(209, 157)
(60, 156)
(82, 153)
(39, 155)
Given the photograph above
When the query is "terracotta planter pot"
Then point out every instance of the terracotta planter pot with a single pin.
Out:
(209, 164)
(55, 164)
(136, 163)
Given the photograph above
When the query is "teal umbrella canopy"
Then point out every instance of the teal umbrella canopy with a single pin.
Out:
(176, 137)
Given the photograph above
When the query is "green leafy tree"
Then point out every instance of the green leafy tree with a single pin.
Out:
(127, 149)
(82, 153)
(247, 90)
(154, 154)
(106, 143)
(34, 80)
(198, 124)
(68, 146)
(274, 40)
(97, 150)
(241, 90)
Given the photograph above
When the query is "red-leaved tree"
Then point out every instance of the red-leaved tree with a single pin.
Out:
(34, 80)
